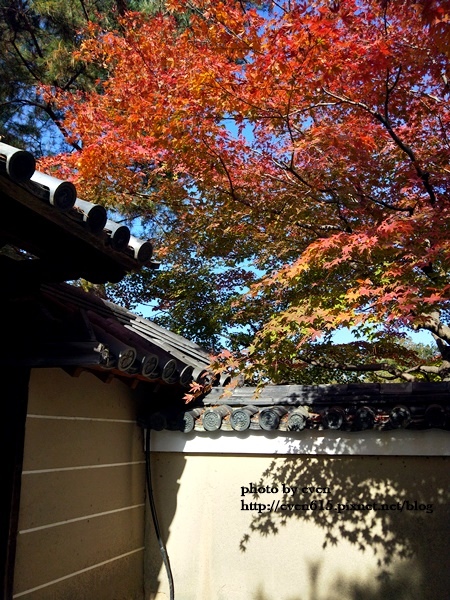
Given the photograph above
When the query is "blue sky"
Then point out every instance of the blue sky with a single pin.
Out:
(344, 336)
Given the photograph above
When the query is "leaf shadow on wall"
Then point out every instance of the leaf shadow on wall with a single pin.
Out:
(397, 587)
(406, 542)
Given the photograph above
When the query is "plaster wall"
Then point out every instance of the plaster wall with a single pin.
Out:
(81, 520)
(222, 549)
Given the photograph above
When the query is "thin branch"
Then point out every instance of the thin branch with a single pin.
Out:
(289, 169)
(25, 62)
(29, 28)
(342, 217)
(227, 173)
(444, 133)
(85, 12)
(423, 175)
(225, 27)
(73, 78)
(51, 113)
(281, 7)
(394, 372)
(409, 209)
(389, 90)
(320, 228)
(385, 20)
(361, 368)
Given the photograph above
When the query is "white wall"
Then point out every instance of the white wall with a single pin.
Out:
(218, 551)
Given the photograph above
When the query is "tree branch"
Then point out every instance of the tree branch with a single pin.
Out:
(389, 90)
(436, 327)
(406, 374)
(25, 62)
(424, 176)
(85, 12)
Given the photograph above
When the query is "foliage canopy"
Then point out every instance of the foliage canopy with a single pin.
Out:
(299, 148)
(37, 41)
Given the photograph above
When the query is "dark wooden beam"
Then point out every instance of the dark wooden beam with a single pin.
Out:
(15, 382)
(57, 239)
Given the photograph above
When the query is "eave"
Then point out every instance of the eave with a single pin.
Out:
(62, 326)
(65, 249)
(297, 408)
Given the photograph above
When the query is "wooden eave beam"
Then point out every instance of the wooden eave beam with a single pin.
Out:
(39, 228)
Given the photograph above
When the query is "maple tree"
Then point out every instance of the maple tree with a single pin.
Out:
(37, 39)
(305, 142)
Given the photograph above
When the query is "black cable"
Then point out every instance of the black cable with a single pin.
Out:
(151, 501)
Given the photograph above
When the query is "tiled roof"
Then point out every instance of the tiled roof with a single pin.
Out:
(49, 236)
(352, 407)
(63, 326)
(69, 237)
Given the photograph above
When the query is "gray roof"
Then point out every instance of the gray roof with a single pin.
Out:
(350, 407)
(114, 340)
(68, 237)
(49, 236)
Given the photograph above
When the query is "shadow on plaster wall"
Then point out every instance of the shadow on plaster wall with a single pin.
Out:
(400, 586)
(411, 543)
(163, 465)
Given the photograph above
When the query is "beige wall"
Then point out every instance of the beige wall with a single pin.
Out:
(81, 526)
(220, 552)
(81, 518)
